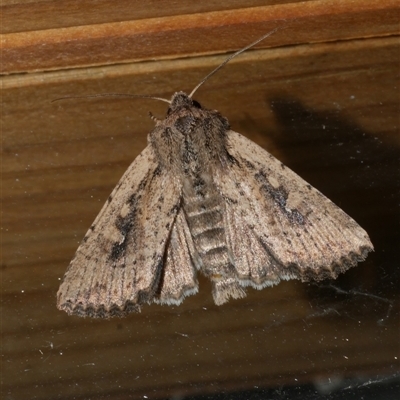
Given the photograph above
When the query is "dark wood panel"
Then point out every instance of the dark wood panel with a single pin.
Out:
(328, 110)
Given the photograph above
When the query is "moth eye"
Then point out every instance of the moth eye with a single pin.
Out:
(196, 104)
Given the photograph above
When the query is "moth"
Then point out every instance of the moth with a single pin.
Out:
(203, 198)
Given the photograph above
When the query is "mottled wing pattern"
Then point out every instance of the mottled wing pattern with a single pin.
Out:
(280, 227)
(118, 265)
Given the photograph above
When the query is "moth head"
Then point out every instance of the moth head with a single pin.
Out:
(181, 100)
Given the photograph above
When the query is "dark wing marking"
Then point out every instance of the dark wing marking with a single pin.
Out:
(119, 263)
(279, 226)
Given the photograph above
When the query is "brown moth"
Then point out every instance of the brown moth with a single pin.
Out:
(201, 197)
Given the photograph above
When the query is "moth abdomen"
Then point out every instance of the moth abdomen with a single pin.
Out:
(206, 224)
(210, 238)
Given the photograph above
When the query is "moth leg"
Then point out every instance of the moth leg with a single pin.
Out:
(153, 118)
(226, 287)
(225, 281)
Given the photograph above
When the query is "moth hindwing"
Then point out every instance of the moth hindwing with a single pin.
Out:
(203, 198)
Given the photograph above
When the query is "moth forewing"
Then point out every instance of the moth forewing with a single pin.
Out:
(203, 198)
(120, 261)
(305, 235)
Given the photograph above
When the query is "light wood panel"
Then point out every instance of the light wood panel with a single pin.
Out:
(196, 33)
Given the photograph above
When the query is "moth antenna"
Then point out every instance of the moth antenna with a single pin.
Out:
(136, 96)
(230, 58)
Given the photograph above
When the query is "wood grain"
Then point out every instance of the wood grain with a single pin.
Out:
(33, 15)
(207, 33)
(323, 98)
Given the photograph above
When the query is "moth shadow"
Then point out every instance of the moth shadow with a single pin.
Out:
(357, 169)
